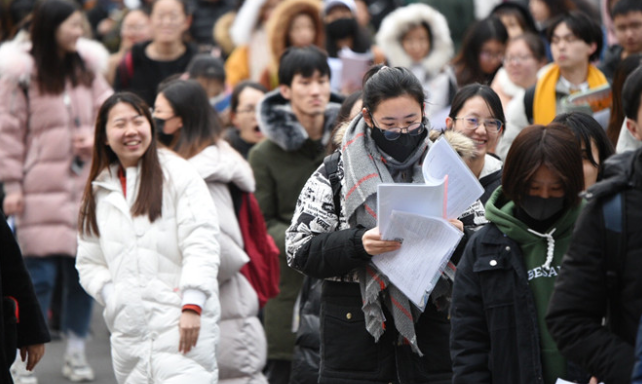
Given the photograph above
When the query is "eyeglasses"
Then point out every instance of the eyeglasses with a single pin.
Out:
(488, 55)
(472, 123)
(414, 129)
(516, 59)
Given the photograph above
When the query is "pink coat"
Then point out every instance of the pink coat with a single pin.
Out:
(36, 151)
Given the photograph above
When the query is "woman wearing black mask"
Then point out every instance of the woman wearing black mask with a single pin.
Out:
(343, 31)
(395, 343)
(506, 275)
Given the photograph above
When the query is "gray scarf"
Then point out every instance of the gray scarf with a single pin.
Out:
(365, 167)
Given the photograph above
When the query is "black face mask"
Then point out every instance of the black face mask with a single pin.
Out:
(162, 137)
(542, 209)
(401, 148)
(341, 28)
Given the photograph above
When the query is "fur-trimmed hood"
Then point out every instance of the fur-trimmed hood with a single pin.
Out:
(279, 124)
(222, 34)
(279, 24)
(246, 21)
(400, 21)
(17, 63)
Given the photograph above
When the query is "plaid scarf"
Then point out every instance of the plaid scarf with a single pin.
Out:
(365, 167)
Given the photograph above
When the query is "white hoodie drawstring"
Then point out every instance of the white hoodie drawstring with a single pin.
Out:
(550, 249)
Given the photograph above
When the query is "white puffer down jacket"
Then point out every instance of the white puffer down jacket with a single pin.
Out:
(243, 345)
(145, 272)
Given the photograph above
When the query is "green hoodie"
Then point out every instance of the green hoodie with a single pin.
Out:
(541, 280)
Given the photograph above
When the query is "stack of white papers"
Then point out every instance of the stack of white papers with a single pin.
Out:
(416, 214)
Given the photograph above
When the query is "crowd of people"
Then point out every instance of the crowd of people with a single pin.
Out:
(208, 172)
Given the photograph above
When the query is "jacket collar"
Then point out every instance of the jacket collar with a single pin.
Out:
(621, 171)
(280, 125)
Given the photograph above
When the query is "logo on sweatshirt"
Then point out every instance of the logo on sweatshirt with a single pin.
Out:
(541, 272)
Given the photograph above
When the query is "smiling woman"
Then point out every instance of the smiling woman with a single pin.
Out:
(128, 134)
(169, 266)
(477, 112)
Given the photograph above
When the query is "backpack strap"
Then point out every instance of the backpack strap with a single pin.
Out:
(237, 197)
(126, 69)
(613, 212)
(331, 163)
(529, 99)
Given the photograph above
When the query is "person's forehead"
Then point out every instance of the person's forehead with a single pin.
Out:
(562, 29)
(316, 74)
(624, 17)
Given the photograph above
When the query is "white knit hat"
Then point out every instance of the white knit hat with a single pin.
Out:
(350, 4)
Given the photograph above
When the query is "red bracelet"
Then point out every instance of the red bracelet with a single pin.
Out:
(192, 307)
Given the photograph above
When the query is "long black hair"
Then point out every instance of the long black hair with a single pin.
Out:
(201, 124)
(52, 70)
(467, 67)
(150, 195)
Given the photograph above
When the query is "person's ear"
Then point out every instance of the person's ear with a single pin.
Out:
(180, 121)
(593, 48)
(285, 91)
(188, 22)
(632, 126)
(233, 119)
(366, 117)
(449, 122)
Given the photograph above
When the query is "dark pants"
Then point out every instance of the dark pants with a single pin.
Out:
(76, 303)
(278, 371)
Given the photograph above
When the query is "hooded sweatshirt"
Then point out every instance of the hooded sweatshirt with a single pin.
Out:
(537, 249)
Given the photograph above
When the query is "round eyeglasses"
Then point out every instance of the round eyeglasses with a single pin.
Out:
(414, 129)
(472, 123)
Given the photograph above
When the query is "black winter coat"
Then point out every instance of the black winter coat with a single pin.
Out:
(349, 354)
(15, 282)
(580, 300)
(493, 315)
(306, 359)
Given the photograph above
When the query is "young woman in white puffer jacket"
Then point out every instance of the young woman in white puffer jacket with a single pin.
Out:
(148, 250)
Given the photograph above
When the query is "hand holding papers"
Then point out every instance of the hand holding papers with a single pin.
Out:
(414, 214)
(427, 245)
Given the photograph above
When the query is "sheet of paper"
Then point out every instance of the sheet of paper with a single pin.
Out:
(463, 186)
(421, 199)
(355, 65)
(562, 381)
(427, 244)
